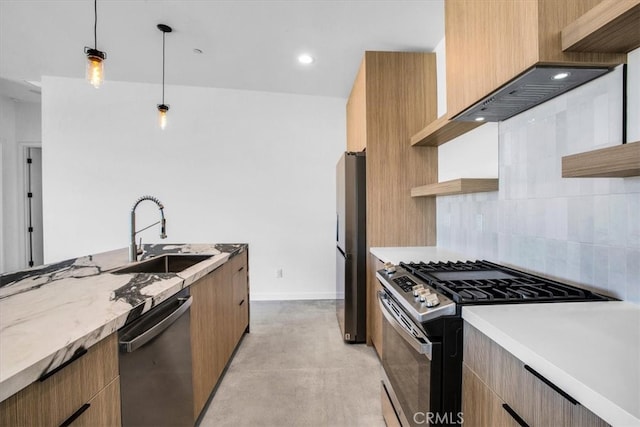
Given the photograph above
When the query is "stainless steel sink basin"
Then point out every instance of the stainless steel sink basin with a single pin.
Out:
(163, 264)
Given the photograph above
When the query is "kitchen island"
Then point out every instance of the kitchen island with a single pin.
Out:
(49, 313)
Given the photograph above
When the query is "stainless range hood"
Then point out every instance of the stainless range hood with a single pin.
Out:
(533, 87)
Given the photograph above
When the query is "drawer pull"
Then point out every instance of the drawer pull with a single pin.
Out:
(241, 302)
(75, 415)
(550, 384)
(81, 351)
(514, 415)
(241, 268)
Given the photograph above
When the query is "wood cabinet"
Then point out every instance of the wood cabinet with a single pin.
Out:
(499, 389)
(240, 279)
(218, 321)
(489, 43)
(486, 408)
(611, 26)
(356, 113)
(373, 308)
(86, 391)
(388, 413)
(393, 97)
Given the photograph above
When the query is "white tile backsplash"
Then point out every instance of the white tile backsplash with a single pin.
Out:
(585, 230)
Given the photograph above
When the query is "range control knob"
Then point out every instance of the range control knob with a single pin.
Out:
(432, 300)
(389, 267)
(416, 290)
(423, 294)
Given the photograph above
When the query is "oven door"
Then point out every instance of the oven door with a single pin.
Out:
(410, 361)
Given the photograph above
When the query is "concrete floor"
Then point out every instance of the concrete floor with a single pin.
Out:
(293, 369)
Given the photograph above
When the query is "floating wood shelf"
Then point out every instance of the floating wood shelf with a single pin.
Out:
(456, 186)
(612, 26)
(440, 131)
(619, 161)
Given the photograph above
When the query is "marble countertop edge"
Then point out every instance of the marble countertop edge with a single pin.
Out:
(25, 375)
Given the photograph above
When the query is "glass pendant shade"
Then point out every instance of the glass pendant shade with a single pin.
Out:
(162, 115)
(95, 67)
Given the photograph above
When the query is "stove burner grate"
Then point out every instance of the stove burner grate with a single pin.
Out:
(478, 282)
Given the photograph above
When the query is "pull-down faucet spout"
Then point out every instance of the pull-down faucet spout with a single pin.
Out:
(134, 251)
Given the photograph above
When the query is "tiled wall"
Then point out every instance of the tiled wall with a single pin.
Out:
(585, 230)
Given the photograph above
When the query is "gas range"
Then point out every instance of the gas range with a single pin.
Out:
(422, 327)
(429, 290)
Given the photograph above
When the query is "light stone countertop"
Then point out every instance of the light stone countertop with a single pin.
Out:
(48, 312)
(591, 350)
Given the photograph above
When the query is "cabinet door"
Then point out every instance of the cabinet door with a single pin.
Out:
(205, 334)
(213, 334)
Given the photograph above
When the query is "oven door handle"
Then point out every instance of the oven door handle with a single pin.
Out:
(420, 344)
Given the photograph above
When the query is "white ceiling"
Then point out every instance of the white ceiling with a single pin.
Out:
(247, 44)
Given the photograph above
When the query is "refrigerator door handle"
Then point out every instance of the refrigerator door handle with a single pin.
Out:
(346, 256)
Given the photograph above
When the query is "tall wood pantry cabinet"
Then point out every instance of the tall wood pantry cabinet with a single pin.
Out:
(394, 96)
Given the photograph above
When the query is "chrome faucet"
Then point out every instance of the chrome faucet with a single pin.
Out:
(134, 251)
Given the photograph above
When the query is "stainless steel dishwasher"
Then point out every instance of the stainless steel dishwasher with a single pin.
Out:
(156, 386)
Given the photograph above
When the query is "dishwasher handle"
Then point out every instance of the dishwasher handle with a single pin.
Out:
(133, 344)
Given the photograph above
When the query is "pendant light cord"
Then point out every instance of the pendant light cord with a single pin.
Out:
(95, 24)
(163, 35)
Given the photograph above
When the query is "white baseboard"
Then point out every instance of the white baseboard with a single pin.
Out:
(287, 296)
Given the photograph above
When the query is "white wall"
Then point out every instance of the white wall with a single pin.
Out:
(19, 127)
(231, 166)
(441, 76)
(472, 155)
(584, 230)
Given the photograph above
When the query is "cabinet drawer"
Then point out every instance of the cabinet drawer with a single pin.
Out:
(530, 395)
(238, 261)
(500, 371)
(103, 409)
(481, 407)
(52, 401)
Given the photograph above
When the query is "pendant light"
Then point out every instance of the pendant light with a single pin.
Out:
(95, 58)
(163, 108)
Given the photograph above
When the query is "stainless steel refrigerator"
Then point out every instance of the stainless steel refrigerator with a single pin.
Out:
(351, 247)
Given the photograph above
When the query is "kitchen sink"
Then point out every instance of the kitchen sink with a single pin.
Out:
(163, 264)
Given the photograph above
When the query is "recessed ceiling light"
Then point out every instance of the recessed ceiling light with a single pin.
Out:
(305, 58)
(561, 76)
(197, 51)
(479, 119)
